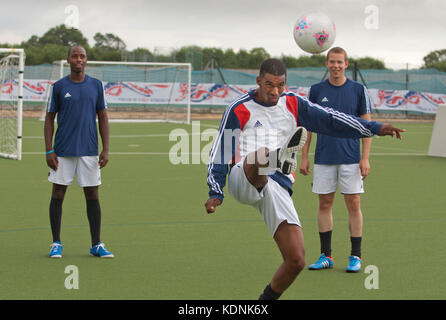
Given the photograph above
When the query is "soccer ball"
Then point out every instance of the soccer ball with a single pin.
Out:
(314, 32)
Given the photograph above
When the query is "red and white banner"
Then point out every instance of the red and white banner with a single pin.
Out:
(208, 94)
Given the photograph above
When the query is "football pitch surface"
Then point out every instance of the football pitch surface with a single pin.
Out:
(168, 248)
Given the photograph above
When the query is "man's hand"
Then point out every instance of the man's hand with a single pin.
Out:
(212, 204)
(389, 130)
(103, 159)
(364, 166)
(51, 161)
(304, 167)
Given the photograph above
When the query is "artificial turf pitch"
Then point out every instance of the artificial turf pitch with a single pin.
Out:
(168, 248)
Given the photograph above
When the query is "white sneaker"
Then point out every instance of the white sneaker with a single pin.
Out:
(286, 158)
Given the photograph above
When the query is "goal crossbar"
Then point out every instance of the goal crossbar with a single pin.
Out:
(188, 66)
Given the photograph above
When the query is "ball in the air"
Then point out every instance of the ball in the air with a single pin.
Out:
(314, 32)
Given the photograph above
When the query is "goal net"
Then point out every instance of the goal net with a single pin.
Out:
(139, 91)
(12, 63)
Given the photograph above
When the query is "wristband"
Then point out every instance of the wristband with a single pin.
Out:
(51, 151)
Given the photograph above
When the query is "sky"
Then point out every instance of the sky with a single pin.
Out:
(398, 32)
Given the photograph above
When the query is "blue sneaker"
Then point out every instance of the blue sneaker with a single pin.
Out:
(323, 262)
(354, 264)
(56, 250)
(100, 251)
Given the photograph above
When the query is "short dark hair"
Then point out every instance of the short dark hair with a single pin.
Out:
(75, 46)
(272, 66)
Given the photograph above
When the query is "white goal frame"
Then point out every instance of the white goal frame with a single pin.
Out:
(437, 147)
(64, 63)
(20, 53)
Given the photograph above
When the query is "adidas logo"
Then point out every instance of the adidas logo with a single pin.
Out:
(67, 95)
(324, 99)
(258, 124)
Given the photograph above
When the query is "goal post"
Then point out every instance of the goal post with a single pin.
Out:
(12, 64)
(140, 91)
(437, 147)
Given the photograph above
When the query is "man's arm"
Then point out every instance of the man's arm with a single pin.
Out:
(337, 124)
(48, 132)
(221, 154)
(104, 131)
(364, 163)
(305, 163)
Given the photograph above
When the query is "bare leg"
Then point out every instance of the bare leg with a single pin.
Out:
(352, 201)
(289, 237)
(324, 215)
(290, 240)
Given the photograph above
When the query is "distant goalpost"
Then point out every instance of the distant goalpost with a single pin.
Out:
(139, 91)
(12, 64)
(437, 147)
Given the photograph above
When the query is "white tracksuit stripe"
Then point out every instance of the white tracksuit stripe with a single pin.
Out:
(214, 185)
(50, 97)
(344, 118)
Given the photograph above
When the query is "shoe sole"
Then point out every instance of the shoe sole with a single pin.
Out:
(57, 256)
(352, 271)
(295, 143)
(107, 256)
(320, 268)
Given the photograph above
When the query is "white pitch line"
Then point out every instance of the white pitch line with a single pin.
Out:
(155, 135)
(397, 149)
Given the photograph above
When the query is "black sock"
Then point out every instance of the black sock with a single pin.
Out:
(356, 246)
(94, 218)
(269, 294)
(56, 218)
(325, 242)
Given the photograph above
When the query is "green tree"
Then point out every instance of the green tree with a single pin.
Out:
(366, 63)
(31, 42)
(109, 41)
(435, 59)
(256, 57)
(213, 53)
(315, 60)
(229, 59)
(243, 59)
(45, 54)
(107, 47)
(60, 35)
(52, 45)
(139, 55)
(191, 54)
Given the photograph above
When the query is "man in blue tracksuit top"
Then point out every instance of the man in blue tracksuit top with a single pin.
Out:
(258, 138)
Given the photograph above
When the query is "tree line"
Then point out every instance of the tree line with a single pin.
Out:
(53, 45)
